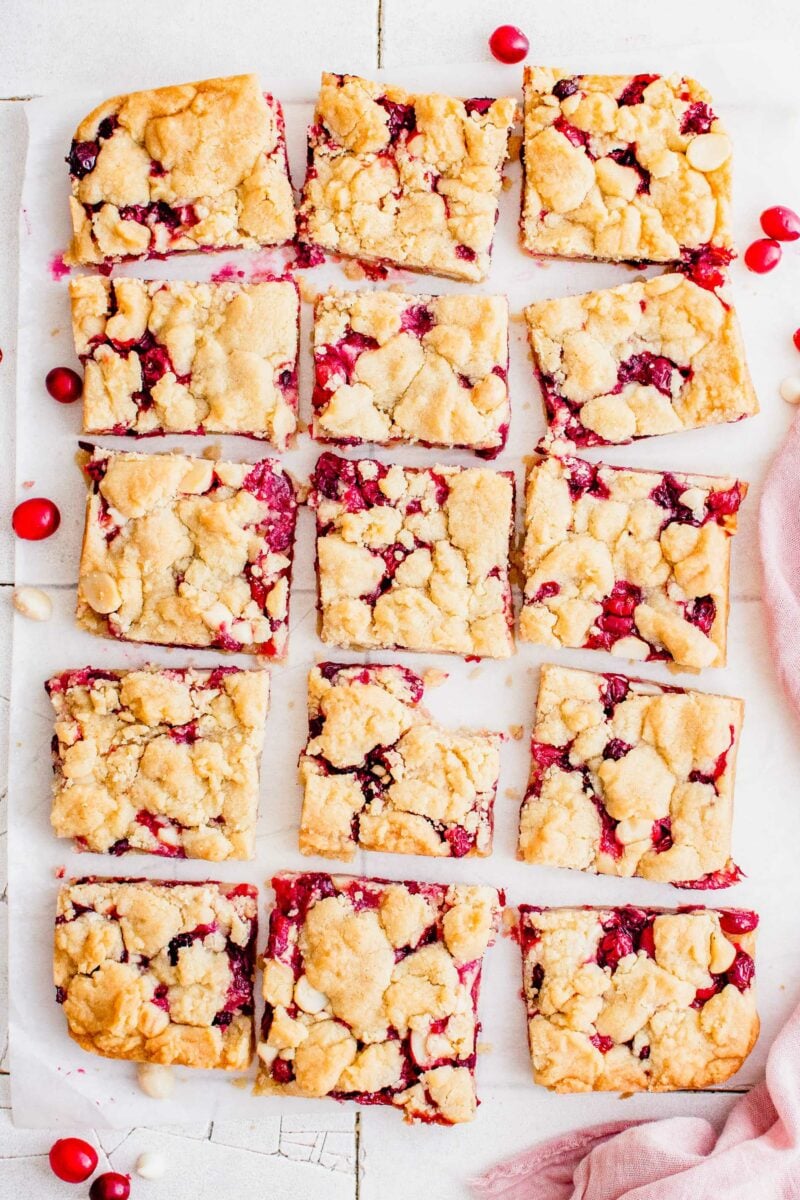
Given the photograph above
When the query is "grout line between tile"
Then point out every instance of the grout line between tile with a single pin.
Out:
(380, 34)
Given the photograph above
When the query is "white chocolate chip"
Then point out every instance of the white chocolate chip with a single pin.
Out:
(790, 389)
(708, 151)
(155, 1080)
(151, 1165)
(33, 603)
(308, 998)
(100, 592)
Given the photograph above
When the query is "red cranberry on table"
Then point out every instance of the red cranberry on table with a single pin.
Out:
(110, 1186)
(72, 1159)
(64, 384)
(763, 255)
(781, 223)
(35, 519)
(796, 338)
(509, 44)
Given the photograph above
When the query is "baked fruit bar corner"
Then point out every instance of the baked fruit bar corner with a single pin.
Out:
(400, 368)
(413, 557)
(158, 972)
(170, 356)
(630, 777)
(378, 773)
(629, 168)
(637, 999)
(158, 761)
(631, 561)
(633, 361)
(371, 991)
(407, 180)
(184, 551)
(197, 166)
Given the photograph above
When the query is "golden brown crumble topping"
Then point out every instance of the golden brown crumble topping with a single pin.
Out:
(396, 367)
(379, 773)
(635, 1000)
(178, 357)
(180, 168)
(629, 778)
(159, 761)
(637, 360)
(631, 561)
(623, 167)
(371, 991)
(188, 552)
(158, 972)
(410, 179)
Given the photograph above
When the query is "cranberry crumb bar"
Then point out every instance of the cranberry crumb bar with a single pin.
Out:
(159, 761)
(630, 777)
(187, 552)
(407, 180)
(158, 972)
(197, 166)
(626, 168)
(637, 360)
(379, 773)
(629, 561)
(633, 999)
(392, 367)
(178, 357)
(414, 557)
(371, 992)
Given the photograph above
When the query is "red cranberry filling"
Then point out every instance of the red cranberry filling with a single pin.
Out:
(185, 734)
(578, 137)
(615, 690)
(616, 620)
(603, 1043)
(626, 157)
(738, 920)
(339, 479)
(626, 931)
(719, 766)
(547, 590)
(650, 370)
(698, 118)
(609, 843)
(661, 835)
(705, 265)
(726, 877)
(565, 87)
(584, 478)
(479, 105)
(401, 117)
(702, 613)
(465, 252)
(459, 840)
(740, 974)
(338, 361)
(418, 319)
(616, 749)
(633, 92)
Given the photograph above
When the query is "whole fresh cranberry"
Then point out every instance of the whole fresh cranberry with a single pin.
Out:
(781, 223)
(72, 1159)
(110, 1186)
(509, 44)
(63, 384)
(763, 255)
(35, 519)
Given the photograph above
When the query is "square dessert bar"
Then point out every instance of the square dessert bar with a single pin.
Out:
(633, 361)
(187, 552)
(401, 368)
(633, 562)
(178, 357)
(197, 166)
(413, 557)
(638, 999)
(371, 991)
(380, 774)
(158, 972)
(630, 777)
(159, 761)
(626, 168)
(411, 181)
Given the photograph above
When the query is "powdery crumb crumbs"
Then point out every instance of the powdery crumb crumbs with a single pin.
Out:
(434, 678)
(509, 680)
(509, 922)
(516, 732)
(475, 673)
(308, 292)
(507, 183)
(213, 452)
(513, 794)
(60, 872)
(514, 147)
(484, 1048)
(353, 269)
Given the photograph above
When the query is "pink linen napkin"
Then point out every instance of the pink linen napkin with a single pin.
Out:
(757, 1153)
(755, 1157)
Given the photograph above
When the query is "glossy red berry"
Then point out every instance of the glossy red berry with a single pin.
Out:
(763, 255)
(63, 384)
(738, 920)
(35, 519)
(781, 223)
(110, 1186)
(72, 1159)
(509, 44)
(796, 338)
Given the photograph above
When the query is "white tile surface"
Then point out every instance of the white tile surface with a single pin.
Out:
(109, 40)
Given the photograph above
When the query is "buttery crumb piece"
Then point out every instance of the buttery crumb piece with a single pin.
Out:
(371, 991)
(158, 761)
(378, 773)
(633, 999)
(407, 180)
(158, 972)
(194, 167)
(630, 777)
(630, 561)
